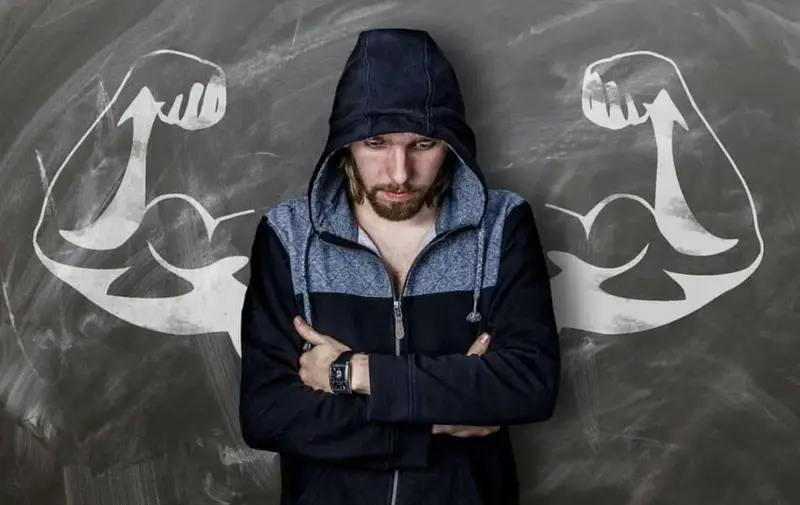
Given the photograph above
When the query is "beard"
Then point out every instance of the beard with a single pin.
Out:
(394, 211)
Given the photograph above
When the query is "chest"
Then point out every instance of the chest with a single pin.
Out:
(398, 261)
(398, 254)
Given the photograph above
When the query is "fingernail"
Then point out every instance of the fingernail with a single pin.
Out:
(484, 338)
(298, 320)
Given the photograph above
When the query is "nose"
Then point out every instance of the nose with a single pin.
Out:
(399, 166)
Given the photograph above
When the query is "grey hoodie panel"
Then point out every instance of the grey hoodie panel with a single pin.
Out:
(451, 265)
(455, 264)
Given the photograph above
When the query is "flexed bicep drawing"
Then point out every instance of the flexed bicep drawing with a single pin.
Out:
(645, 90)
(213, 303)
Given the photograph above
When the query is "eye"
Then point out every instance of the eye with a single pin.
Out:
(425, 144)
(374, 143)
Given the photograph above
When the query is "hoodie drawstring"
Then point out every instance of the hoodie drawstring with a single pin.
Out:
(306, 284)
(475, 316)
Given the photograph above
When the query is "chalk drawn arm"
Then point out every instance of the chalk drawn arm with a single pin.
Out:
(675, 219)
(214, 303)
(579, 298)
(121, 218)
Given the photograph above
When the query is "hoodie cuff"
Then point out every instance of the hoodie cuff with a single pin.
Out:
(390, 389)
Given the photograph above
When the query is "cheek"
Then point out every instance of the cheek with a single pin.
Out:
(367, 159)
(369, 178)
(369, 169)
(428, 168)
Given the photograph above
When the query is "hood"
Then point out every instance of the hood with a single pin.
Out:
(397, 80)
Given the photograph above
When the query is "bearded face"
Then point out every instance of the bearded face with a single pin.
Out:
(397, 172)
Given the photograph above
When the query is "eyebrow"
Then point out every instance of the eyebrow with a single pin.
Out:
(417, 138)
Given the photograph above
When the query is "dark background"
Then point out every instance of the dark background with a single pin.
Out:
(699, 407)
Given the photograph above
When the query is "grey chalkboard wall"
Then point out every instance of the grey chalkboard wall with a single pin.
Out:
(658, 140)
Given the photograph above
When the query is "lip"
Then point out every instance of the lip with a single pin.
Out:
(396, 196)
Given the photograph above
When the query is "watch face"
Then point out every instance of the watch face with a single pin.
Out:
(339, 386)
(338, 378)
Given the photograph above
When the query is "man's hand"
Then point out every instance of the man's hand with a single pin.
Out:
(480, 346)
(316, 362)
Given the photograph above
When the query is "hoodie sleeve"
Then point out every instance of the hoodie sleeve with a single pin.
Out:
(515, 382)
(277, 411)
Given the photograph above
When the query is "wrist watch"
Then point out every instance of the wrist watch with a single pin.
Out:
(340, 373)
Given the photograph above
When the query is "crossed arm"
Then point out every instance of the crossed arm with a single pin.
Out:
(315, 365)
(515, 382)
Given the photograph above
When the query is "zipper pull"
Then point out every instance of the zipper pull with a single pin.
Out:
(399, 332)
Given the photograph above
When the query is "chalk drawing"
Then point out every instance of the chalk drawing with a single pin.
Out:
(578, 298)
(214, 304)
(215, 301)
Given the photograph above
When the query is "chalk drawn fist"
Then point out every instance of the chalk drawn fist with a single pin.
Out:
(623, 90)
(602, 103)
(204, 108)
(193, 98)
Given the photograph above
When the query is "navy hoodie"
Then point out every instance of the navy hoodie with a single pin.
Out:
(481, 270)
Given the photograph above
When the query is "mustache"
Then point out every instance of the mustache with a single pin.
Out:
(397, 189)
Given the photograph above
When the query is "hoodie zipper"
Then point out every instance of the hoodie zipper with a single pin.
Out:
(399, 329)
(399, 334)
(397, 306)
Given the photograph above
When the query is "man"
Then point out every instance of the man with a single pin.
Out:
(389, 271)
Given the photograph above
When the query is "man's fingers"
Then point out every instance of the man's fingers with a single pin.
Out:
(308, 333)
(313, 337)
(480, 346)
(473, 431)
(463, 431)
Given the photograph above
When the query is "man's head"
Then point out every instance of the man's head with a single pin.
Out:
(398, 173)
